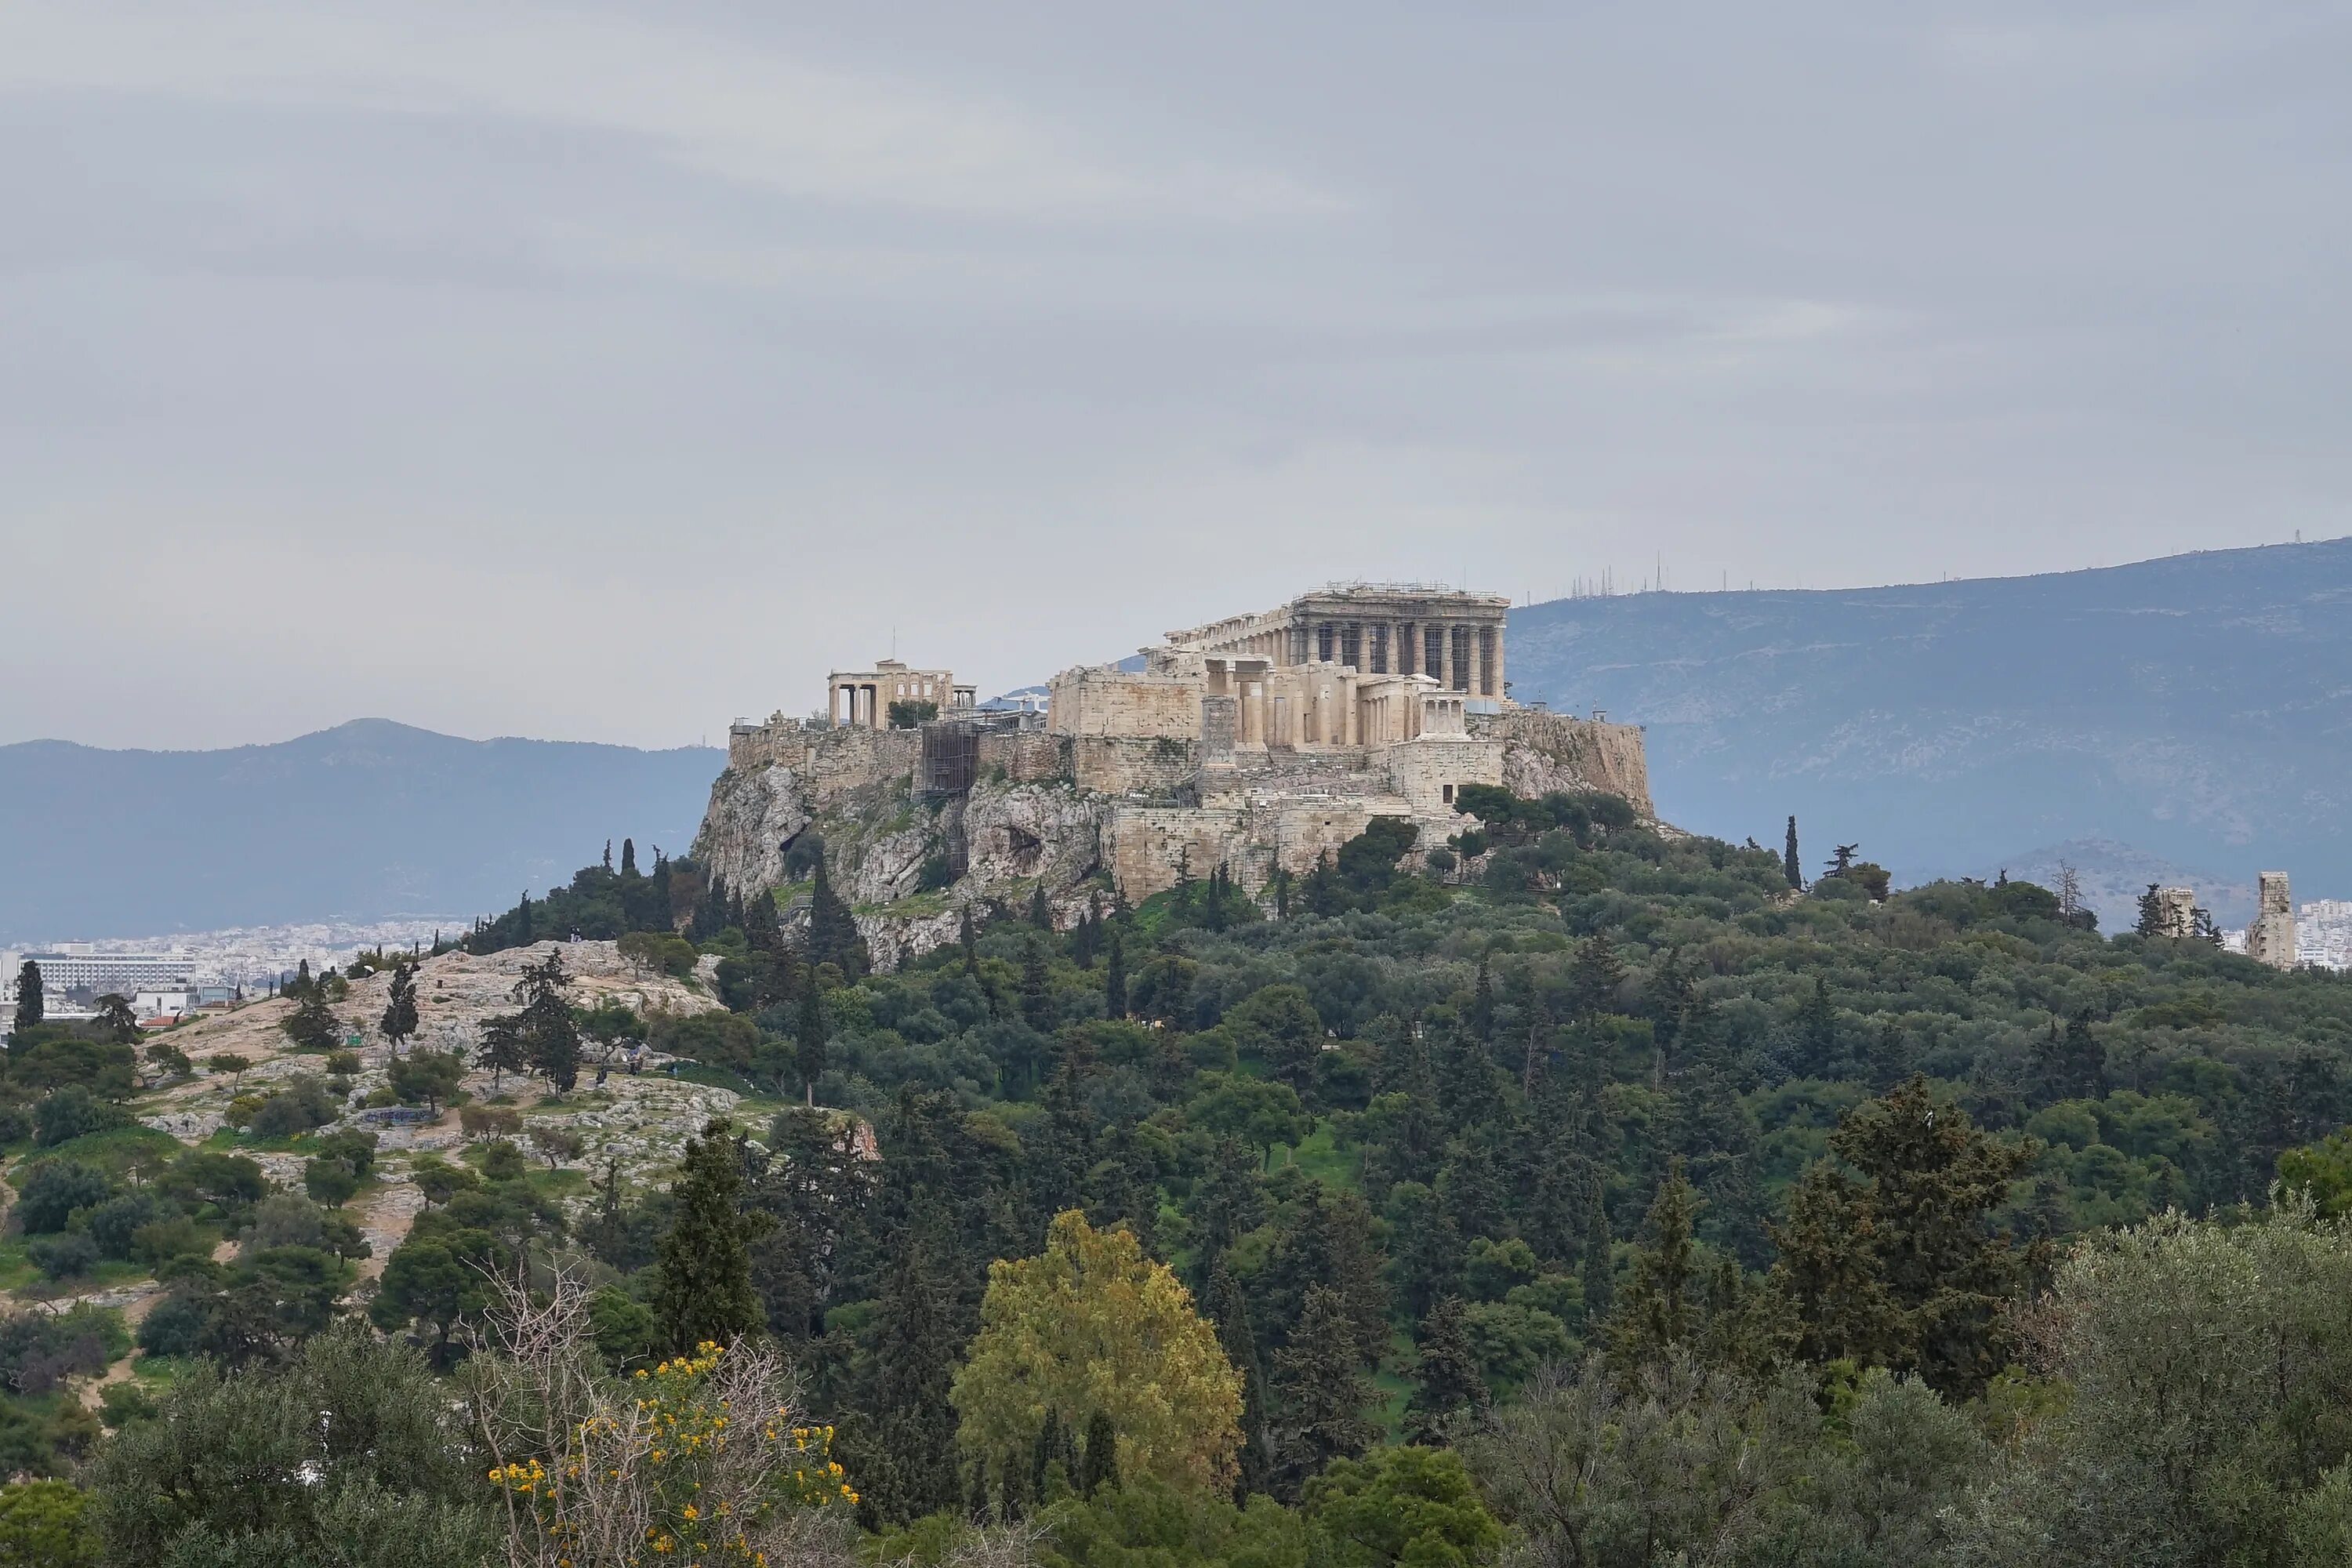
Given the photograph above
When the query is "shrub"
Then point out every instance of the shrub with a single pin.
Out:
(302, 1104)
(55, 1189)
(174, 1326)
(114, 1224)
(68, 1112)
(64, 1255)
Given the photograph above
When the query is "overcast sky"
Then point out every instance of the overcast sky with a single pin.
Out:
(604, 373)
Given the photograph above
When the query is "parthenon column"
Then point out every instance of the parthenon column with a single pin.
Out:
(1444, 672)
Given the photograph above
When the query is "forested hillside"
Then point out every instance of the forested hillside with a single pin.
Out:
(1595, 1196)
(2194, 709)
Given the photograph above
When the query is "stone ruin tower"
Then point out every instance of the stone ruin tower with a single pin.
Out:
(2270, 938)
(2177, 911)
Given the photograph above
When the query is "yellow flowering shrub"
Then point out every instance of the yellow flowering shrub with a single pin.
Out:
(695, 1461)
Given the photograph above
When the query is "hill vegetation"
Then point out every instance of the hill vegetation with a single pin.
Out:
(1597, 1195)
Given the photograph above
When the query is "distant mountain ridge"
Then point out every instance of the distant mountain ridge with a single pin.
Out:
(2198, 709)
(367, 819)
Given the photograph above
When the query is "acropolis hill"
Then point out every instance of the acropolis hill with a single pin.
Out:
(1262, 741)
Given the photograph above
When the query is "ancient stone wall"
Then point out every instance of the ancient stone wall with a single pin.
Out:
(1428, 773)
(1134, 764)
(1103, 700)
(1550, 751)
(1025, 755)
(2270, 938)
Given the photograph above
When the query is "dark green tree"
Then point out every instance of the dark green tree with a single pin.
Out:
(833, 931)
(809, 1040)
(551, 1034)
(30, 1007)
(1099, 1460)
(1659, 1313)
(1115, 977)
(1321, 1394)
(1229, 1311)
(1037, 994)
(312, 1025)
(2151, 914)
(1597, 1269)
(1903, 1268)
(1791, 867)
(628, 857)
(702, 1288)
(1446, 1382)
(399, 1021)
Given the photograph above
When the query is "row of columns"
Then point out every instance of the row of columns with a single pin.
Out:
(1462, 655)
(855, 704)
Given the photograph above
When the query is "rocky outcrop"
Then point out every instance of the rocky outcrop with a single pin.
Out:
(1546, 752)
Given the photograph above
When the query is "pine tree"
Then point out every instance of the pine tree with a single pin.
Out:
(1447, 1383)
(549, 1034)
(1659, 1313)
(400, 1021)
(608, 854)
(628, 857)
(1791, 867)
(1115, 978)
(1596, 976)
(1322, 1392)
(31, 1007)
(502, 1049)
(312, 1025)
(810, 1039)
(703, 1289)
(1482, 1004)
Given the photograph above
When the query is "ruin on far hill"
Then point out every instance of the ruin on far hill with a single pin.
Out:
(1252, 743)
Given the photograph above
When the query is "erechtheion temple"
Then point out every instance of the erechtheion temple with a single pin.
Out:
(1256, 743)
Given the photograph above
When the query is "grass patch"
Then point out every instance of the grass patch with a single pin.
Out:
(17, 1270)
(1333, 1167)
(559, 1183)
(1394, 1386)
(111, 1149)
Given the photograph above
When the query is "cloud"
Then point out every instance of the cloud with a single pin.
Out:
(725, 106)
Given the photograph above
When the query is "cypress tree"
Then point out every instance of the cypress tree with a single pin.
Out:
(1115, 978)
(1448, 1384)
(1036, 998)
(968, 939)
(832, 930)
(810, 1038)
(1791, 867)
(31, 1007)
(1230, 1312)
(1041, 913)
(703, 1291)
(1597, 1270)
(399, 1021)
(628, 857)
(1098, 1464)
(913, 1355)
(2151, 914)
(608, 854)
(522, 920)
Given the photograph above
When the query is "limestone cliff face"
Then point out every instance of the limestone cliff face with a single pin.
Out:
(1548, 752)
(753, 814)
(1015, 832)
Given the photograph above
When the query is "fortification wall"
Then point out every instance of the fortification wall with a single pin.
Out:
(1130, 764)
(1548, 752)
(1103, 700)
(1025, 755)
(1427, 772)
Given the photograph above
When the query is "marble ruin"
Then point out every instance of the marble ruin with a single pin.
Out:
(1259, 742)
(2270, 938)
(2175, 910)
